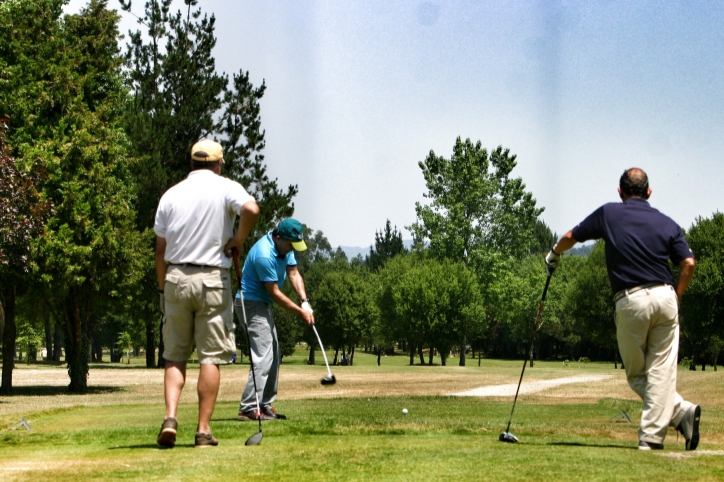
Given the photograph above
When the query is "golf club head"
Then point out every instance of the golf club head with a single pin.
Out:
(508, 437)
(329, 380)
(255, 439)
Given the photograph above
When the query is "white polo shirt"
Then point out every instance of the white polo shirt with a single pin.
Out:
(196, 217)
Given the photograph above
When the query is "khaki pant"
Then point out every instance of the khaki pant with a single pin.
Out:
(647, 329)
(198, 309)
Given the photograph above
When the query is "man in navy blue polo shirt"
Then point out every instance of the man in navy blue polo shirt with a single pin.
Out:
(269, 262)
(640, 241)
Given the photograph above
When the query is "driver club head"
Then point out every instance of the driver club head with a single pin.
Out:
(508, 437)
(329, 380)
(255, 439)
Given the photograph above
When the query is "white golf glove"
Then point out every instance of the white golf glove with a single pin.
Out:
(552, 262)
(307, 307)
(162, 303)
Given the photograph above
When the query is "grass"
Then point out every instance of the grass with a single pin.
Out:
(565, 433)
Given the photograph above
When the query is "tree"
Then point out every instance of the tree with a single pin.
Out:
(388, 244)
(702, 307)
(23, 212)
(65, 87)
(177, 98)
(475, 208)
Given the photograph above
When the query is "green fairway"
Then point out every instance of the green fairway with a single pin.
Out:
(362, 438)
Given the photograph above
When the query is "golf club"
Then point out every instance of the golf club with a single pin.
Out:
(329, 379)
(507, 436)
(256, 438)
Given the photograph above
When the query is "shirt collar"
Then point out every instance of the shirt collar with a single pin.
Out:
(637, 200)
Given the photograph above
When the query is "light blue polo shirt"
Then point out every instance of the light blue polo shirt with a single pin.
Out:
(263, 265)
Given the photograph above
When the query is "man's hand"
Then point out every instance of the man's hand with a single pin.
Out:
(552, 261)
(307, 316)
(307, 307)
(162, 303)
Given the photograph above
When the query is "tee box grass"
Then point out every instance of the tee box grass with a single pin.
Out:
(565, 437)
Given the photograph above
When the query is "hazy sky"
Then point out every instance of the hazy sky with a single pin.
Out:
(359, 92)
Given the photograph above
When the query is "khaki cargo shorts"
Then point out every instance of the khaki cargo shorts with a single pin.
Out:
(198, 309)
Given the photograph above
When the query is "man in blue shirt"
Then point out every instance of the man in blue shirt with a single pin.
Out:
(640, 241)
(269, 262)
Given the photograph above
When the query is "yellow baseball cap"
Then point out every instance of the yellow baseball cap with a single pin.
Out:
(207, 150)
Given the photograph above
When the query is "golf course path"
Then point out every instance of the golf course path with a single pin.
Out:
(528, 387)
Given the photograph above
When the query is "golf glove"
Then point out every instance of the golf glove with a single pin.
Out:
(307, 307)
(162, 303)
(552, 261)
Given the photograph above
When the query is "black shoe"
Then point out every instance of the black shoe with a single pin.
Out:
(643, 445)
(167, 435)
(205, 440)
(689, 427)
(271, 412)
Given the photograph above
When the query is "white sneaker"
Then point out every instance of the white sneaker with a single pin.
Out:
(689, 427)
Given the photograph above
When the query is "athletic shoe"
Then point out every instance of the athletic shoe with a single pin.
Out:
(167, 435)
(270, 411)
(252, 416)
(689, 427)
(205, 440)
(643, 445)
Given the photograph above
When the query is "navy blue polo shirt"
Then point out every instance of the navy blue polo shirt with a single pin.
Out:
(640, 241)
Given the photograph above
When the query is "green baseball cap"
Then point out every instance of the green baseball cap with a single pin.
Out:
(291, 230)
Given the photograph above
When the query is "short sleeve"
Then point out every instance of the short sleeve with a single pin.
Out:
(590, 228)
(237, 196)
(159, 225)
(679, 247)
(291, 259)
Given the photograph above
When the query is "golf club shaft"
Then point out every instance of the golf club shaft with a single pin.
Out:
(322, 348)
(248, 336)
(530, 346)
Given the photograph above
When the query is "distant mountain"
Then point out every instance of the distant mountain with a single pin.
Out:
(582, 250)
(352, 251)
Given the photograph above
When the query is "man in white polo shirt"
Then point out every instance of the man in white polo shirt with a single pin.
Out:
(194, 239)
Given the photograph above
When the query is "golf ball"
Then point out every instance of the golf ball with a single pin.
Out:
(404, 410)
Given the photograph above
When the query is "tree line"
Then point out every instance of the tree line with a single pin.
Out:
(94, 131)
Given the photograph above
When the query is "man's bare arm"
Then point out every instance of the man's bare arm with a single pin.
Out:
(686, 271)
(566, 242)
(247, 219)
(295, 278)
(283, 300)
(161, 265)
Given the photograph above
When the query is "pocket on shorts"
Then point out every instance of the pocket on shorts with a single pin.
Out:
(170, 288)
(214, 292)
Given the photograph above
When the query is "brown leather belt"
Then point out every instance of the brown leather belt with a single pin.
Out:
(629, 291)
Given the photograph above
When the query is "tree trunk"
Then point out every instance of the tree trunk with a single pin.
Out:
(77, 343)
(150, 344)
(336, 352)
(443, 356)
(462, 351)
(421, 355)
(57, 341)
(9, 337)
(379, 355)
(351, 356)
(412, 354)
(48, 338)
(311, 354)
(161, 359)
(430, 355)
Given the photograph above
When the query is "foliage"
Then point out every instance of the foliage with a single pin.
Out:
(64, 87)
(702, 307)
(388, 244)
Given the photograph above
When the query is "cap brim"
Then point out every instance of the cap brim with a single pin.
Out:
(299, 246)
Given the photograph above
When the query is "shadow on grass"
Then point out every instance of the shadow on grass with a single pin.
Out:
(45, 391)
(149, 446)
(592, 445)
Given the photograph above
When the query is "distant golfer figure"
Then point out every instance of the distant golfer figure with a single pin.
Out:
(194, 238)
(266, 267)
(640, 241)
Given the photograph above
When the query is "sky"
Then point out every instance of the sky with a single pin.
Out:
(359, 92)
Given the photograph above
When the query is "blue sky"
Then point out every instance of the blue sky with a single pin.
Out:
(359, 92)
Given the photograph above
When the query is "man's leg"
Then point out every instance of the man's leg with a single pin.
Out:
(208, 389)
(261, 351)
(272, 383)
(173, 381)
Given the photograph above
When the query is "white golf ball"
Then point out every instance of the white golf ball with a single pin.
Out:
(404, 410)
